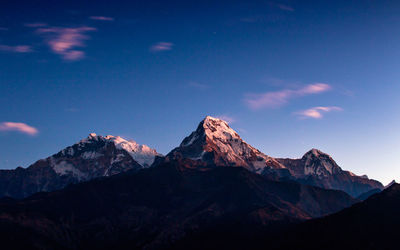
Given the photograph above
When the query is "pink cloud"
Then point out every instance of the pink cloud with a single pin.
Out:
(278, 98)
(19, 127)
(101, 18)
(269, 99)
(314, 88)
(317, 112)
(16, 49)
(63, 41)
(161, 46)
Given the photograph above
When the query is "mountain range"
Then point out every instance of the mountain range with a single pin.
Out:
(212, 191)
(214, 142)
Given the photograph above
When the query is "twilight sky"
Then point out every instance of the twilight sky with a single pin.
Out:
(288, 76)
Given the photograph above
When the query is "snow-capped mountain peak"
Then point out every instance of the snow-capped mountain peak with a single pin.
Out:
(315, 153)
(319, 163)
(211, 128)
(92, 157)
(97, 156)
(143, 154)
(92, 135)
(217, 128)
(215, 142)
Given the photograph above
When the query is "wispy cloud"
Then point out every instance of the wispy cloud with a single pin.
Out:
(35, 25)
(317, 112)
(101, 18)
(227, 118)
(285, 7)
(18, 127)
(3, 29)
(16, 49)
(64, 41)
(278, 98)
(198, 85)
(161, 46)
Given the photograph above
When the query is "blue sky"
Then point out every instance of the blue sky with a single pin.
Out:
(289, 75)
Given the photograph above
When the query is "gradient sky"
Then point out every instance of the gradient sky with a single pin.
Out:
(288, 75)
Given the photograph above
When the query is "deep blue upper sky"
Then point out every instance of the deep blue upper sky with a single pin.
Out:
(290, 75)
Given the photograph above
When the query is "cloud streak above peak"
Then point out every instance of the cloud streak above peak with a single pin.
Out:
(275, 99)
(317, 112)
(19, 127)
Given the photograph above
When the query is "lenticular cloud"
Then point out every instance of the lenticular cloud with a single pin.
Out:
(18, 127)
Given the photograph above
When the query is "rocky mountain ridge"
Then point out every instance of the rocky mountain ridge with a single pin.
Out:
(214, 142)
(93, 157)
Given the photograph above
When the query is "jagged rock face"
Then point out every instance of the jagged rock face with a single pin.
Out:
(93, 157)
(215, 143)
(319, 169)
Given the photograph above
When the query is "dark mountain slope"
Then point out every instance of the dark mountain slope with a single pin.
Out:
(366, 195)
(372, 224)
(156, 207)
